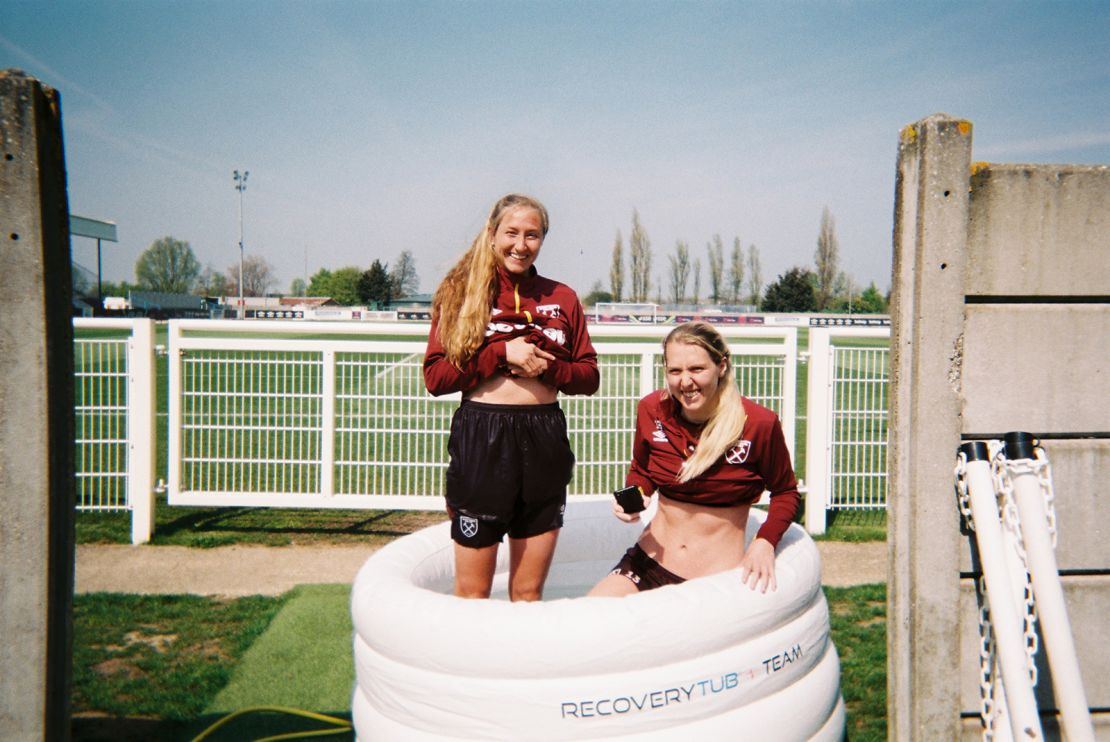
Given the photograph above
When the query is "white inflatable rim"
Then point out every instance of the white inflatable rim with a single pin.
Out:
(400, 617)
(810, 708)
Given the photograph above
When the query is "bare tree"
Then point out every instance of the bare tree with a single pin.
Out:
(639, 248)
(697, 280)
(258, 276)
(826, 260)
(716, 268)
(404, 278)
(755, 276)
(616, 269)
(680, 271)
(735, 271)
(212, 283)
(844, 288)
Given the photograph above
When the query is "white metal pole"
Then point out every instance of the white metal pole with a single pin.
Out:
(1006, 620)
(327, 425)
(647, 372)
(789, 416)
(174, 335)
(241, 185)
(141, 410)
(819, 429)
(1048, 591)
(1003, 729)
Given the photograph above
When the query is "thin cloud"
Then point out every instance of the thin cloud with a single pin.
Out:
(52, 77)
(145, 149)
(1049, 144)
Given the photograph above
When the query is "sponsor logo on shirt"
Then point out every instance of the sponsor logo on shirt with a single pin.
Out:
(502, 327)
(738, 454)
(555, 335)
(658, 435)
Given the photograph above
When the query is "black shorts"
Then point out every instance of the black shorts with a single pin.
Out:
(510, 466)
(644, 572)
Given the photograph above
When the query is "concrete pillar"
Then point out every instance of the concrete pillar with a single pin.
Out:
(930, 239)
(36, 416)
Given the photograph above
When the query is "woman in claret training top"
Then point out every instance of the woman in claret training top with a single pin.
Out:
(710, 454)
(509, 340)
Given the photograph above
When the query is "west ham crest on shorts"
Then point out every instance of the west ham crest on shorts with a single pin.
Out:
(468, 526)
(738, 454)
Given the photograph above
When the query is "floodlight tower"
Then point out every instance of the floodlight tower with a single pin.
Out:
(241, 185)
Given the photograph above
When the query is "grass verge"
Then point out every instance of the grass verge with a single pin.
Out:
(302, 661)
(858, 619)
(144, 666)
(165, 668)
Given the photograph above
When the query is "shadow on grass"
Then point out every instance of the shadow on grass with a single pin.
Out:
(125, 729)
(220, 526)
(262, 520)
(854, 525)
(252, 725)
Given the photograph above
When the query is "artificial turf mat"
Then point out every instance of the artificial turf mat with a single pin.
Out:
(303, 660)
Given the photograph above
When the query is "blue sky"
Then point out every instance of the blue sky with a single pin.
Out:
(372, 128)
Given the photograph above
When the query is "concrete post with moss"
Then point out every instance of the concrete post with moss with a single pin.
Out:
(1001, 321)
(36, 416)
(930, 238)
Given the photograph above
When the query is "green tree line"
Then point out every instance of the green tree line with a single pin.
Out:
(169, 265)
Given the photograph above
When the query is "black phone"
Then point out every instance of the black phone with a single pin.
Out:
(630, 498)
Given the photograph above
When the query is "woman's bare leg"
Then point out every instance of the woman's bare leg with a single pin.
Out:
(474, 570)
(529, 562)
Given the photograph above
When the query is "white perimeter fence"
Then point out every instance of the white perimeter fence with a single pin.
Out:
(318, 414)
(114, 418)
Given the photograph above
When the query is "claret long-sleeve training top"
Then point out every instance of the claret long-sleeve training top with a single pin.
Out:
(545, 312)
(758, 461)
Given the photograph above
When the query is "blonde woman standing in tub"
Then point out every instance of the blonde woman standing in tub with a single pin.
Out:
(709, 453)
(509, 340)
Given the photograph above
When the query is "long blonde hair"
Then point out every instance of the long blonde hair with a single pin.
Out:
(467, 291)
(726, 422)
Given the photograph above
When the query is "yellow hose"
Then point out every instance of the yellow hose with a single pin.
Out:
(341, 725)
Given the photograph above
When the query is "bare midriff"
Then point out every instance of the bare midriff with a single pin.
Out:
(512, 390)
(696, 540)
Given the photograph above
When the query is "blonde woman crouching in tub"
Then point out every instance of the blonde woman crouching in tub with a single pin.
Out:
(709, 453)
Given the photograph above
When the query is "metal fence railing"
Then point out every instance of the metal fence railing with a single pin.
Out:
(100, 422)
(849, 396)
(319, 414)
(114, 380)
(342, 419)
(859, 422)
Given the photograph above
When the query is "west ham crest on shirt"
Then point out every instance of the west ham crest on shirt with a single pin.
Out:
(738, 454)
